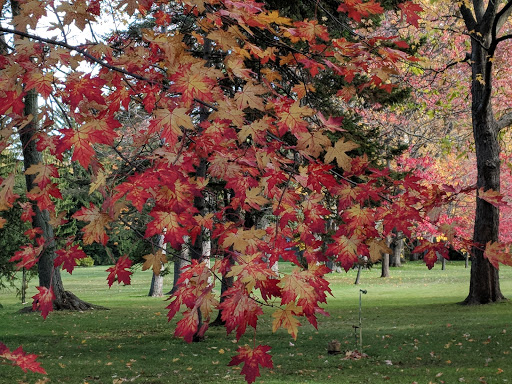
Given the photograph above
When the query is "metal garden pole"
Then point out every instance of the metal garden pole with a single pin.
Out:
(361, 292)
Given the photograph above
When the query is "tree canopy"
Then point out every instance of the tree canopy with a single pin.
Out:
(224, 95)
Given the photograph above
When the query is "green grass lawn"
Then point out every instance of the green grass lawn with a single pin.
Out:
(413, 331)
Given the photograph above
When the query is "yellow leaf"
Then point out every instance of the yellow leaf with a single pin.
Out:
(99, 181)
(286, 318)
(338, 152)
(377, 249)
(155, 261)
(254, 199)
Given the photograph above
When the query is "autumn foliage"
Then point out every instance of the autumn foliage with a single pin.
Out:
(215, 100)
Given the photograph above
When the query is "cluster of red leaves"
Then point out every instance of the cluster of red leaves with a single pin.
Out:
(20, 358)
(258, 139)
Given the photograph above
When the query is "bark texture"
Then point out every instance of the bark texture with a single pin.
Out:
(48, 275)
(484, 22)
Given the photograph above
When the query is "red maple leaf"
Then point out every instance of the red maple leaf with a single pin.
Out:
(187, 326)
(170, 224)
(434, 251)
(239, 310)
(357, 9)
(27, 211)
(345, 249)
(498, 253)
(333, 124)
(20, 358)
(67, 257)
(79, 85)
(43, 301)
(120, 270)
(28, 255)
(492, 197)
(99, 130)
(252, 359)
(410, 10)
(137, 189)
(98, 222)
(11, 103)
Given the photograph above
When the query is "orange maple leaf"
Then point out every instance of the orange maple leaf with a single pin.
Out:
(286, 318)
(250, 97)
(291, 119)
(338, 152)
(498, 253)
(377, 248)
(7, 196)
(155, 261)
(44, 173)
(492, 197)
(99, 221)
(170, 123)
(195, 81)
(39, 81)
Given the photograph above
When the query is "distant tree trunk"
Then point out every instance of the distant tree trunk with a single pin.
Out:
(196, 248)
(179, 263)
(385, 260)
(484, 21)
(398, 250)
(157, 281)
(226, 282)
(358, 277)
(415, 256)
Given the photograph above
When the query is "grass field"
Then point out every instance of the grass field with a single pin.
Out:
(413, 331)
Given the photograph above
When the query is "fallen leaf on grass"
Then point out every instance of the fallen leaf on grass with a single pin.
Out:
(354, 355)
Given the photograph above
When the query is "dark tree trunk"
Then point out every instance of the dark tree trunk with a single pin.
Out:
(484, 22)
(227, 282)
(48, 275)
(358, 277)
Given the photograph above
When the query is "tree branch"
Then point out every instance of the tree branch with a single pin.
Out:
(504, 121)
(502, 16)
(468, 17)
(478, 5)
(82, 51)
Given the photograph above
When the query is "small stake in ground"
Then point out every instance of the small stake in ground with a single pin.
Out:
(361, 292)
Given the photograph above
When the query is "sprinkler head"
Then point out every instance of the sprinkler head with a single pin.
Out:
(363, 291)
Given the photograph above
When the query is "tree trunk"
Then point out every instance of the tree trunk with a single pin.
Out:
(398, 249)
(48, 275)
(157, 285)
(157, 281)
(226, 282)
(358, 277)
(385, 260)
(484, 283)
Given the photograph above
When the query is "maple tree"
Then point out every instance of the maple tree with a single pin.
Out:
(236, 123)
(467, 56)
